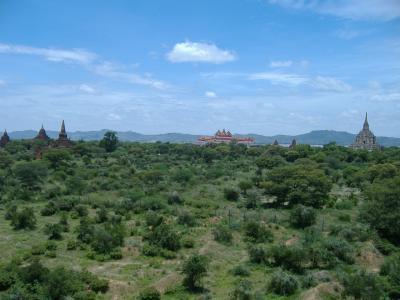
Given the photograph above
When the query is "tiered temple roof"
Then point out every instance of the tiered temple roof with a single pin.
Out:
(225, 137)
(63, 141)
(365, 139)
(4, 140)
(42, 135)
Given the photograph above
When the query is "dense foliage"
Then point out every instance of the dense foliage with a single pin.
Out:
(171, 221)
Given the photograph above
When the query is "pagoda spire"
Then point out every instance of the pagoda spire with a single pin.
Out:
(63, 127)
(366, 125)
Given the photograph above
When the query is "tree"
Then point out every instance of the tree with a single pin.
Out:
(24, 219)
(109, 141)
(57, 157)
(54, 231)
(30, 174)
(302, 216)
(283, 283)
(298, 184)
(194, 269)
(381, 210)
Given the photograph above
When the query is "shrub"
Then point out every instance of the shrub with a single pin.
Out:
(243, 290)
(186, 218)
(256, 232)
(72, 245)
(175, 198)
(257, 254)
(283, 283)
(340, 249)
(222, 234)
(391, 270)
(49, 210)
(231, 194)
(302, 216)
(24, 219)
(149, 293)
(153, 218)
(164, 236)
(194, 269)
(240, 270)
(363, 285)
(81, 210)
(287, 257)
(188, 242)
(54, 231)
(381, 211)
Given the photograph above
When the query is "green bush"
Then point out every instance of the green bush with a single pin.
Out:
(24, 219)
(54, 231)
(283, 283)
(391, 270)
(302, 216)
(243, 290)
(257, 232)
(363, 286)
(186, 218)
(194, 269)
(149, 293)
(257, 254)
(175, 198)
(49, 210)
(240, 270)
(288, 257)
(222, 234)
(231, 194)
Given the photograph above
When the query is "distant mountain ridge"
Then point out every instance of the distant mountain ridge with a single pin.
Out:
(317, 137)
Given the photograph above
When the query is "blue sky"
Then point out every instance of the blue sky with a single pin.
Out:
(251, 66)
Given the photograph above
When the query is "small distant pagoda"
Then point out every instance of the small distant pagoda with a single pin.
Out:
(293, 144)
(365, 139)
(276, 143)
(63, 141)
(42, 135)
(4, 140)
(225, 137)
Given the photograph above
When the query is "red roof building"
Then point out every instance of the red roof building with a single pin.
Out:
(225, 137)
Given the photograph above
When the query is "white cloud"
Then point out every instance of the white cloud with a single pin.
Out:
(199, 52)
(56, 55)
(113, 117)
(91, 62)
(386, 97)
(114, 71)
(318, 82)
(87, 89)
(210, 94)
(329, 83)
(281, 64)
(280, 78)
(382, 10)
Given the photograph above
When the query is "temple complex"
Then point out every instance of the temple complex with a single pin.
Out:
(42, 135)
(4, 140)
(225, 137)
(63, 141)
(365, 139)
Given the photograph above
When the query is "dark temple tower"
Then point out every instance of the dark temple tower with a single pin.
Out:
(5, 139)
(63, 141)
(42, 135)
(365, 138)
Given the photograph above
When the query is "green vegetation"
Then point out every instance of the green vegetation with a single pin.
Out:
(114, 220)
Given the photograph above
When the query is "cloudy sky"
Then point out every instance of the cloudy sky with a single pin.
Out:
(157, 66)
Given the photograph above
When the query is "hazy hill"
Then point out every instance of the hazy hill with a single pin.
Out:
(317, 137)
